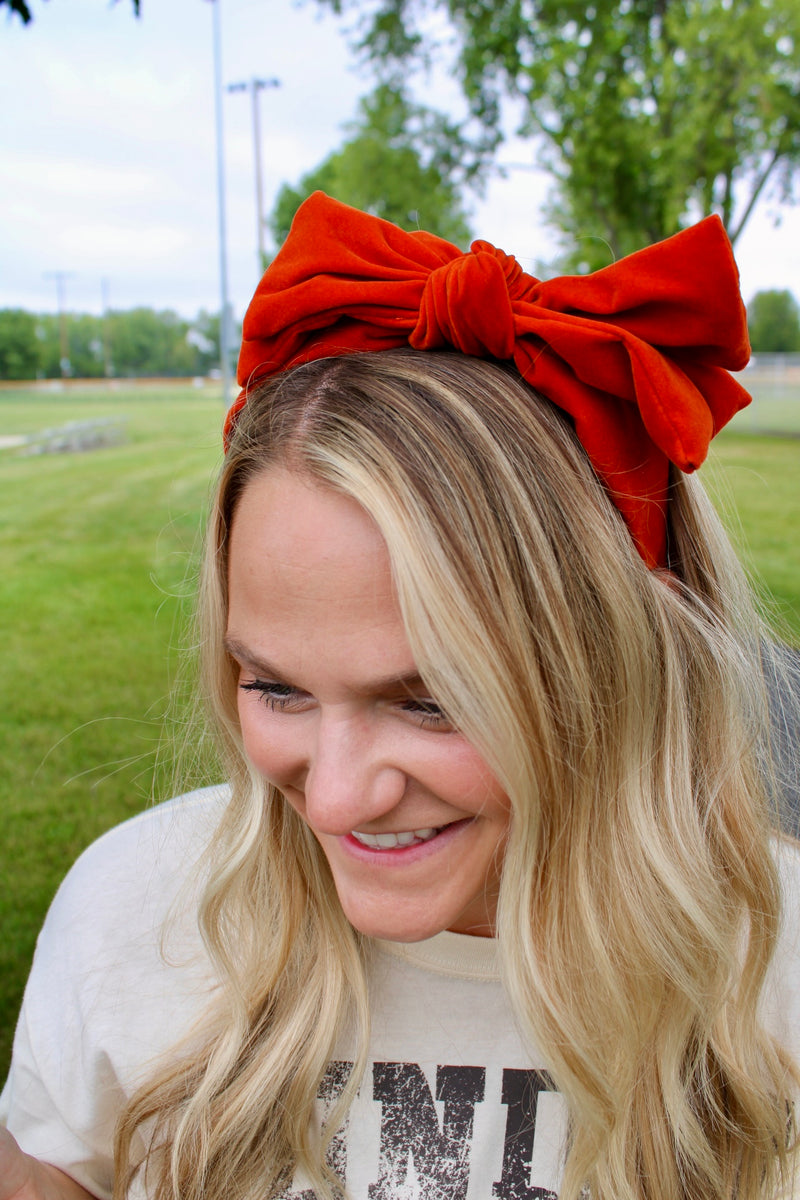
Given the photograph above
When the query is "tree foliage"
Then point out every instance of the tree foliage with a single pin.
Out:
(402, 162)
(19, 350)
(773, 318)
(21, 9)
(648, 113)
(136, 342)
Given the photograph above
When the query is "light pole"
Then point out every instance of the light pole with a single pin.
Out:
(254, 86)
(61, 278)
(108, 366)
(224, 317)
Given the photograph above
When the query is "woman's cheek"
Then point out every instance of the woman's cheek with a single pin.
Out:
(268, 747)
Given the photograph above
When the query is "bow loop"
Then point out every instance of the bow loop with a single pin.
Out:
(465, 304)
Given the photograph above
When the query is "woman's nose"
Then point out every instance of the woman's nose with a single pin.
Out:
(351, 778)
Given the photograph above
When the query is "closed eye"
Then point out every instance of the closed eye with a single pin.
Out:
(278, 697)
(428, 712)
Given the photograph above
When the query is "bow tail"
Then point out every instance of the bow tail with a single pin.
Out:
(634, 471)
(724, 395)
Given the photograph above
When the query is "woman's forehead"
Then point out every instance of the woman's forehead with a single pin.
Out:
(310, 584)
(288, 522)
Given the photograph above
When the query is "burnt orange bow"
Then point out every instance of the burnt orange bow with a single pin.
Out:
(638, 354)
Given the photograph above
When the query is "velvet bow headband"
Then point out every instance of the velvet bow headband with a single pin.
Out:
(638, 353)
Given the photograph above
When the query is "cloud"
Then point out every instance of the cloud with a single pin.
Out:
(108, 164)
(69, 178)
(127, 245)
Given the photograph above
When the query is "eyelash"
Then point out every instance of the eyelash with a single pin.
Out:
(429, 713)
(278, 697)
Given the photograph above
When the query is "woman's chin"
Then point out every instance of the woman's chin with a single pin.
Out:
(395, 927)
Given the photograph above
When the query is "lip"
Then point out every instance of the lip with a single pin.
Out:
(405, 855)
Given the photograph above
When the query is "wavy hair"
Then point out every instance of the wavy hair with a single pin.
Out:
(621, 708)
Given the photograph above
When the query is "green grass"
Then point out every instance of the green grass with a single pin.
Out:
(755, 482)
(97, 551)
(98, 559)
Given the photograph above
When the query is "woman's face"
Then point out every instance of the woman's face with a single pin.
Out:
(409, 816)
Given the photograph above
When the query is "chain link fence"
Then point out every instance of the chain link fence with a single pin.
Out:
(774, 382)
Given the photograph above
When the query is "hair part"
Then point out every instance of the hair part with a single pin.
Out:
(619, 707)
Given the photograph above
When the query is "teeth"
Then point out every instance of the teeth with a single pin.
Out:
(390, 841)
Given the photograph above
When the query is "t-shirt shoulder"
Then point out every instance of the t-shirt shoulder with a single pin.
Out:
(780, 1000)
(120, 975)
(141, 862)
(185, 823)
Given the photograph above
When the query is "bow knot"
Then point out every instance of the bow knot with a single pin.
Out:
(466, 304)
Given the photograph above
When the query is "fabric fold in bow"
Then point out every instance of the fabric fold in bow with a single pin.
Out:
(637, 354)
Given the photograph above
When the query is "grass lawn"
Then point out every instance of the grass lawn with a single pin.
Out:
(98, 554)
(755, 482)
(98, 561)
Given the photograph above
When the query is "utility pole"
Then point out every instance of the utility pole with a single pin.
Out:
(61, 278)
(108, 368)
(254, 86)
(224, 317)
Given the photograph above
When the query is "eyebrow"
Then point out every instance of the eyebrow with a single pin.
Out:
(411, 682)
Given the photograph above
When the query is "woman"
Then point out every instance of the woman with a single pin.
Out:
(492, 905)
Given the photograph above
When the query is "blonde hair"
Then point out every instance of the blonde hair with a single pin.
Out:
(621, 710)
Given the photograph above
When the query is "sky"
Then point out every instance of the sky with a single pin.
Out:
(108, 159)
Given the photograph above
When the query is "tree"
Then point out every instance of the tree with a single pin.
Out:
(648, 113)
(203, 335)
(146, 342)
(85, 345)
(24, 13)
(138, 341)
(401, 162)
(773, 318)
(19, 347)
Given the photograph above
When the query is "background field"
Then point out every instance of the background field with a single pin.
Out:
(98, 556)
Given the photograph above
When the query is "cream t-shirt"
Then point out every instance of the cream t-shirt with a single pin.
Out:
(453, 1105)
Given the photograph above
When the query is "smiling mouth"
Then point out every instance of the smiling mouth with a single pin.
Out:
(391, 841)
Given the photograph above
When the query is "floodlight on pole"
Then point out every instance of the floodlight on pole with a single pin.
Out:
(254, 86)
